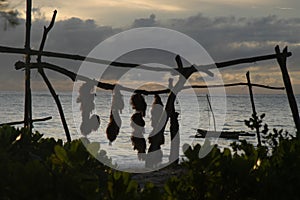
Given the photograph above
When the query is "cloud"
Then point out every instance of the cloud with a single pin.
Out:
(122, 12)
(231, 34)
(224, 38)
(145, 22)
(73, 35)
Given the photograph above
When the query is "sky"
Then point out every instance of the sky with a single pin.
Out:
(226, 29)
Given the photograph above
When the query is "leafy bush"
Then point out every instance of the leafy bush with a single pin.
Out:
(248, 172)
(33, 167)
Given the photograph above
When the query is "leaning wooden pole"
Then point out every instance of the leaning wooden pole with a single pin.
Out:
(281, 59)
(253, 108)
(28, 103)
(59, 106)
(46, 80)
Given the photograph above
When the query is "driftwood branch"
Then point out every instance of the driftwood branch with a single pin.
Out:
(106, 86)
(46, 80)
(45, 34)
(83, 58)
(281, 59)
(73, 76)
(249, 60)
(22, 122)
(233, 85)
(59, 106)
(4, 49)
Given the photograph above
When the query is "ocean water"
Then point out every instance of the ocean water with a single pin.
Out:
(194, 113)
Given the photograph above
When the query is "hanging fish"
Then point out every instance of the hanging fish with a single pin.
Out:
(86, 98)
(113, 127)
(138, 103)
(158, 118)
(90, 124)
(117, 105)
(137, 137)
(156, 137)
(157, 110)
(94, 122)
(117, 100)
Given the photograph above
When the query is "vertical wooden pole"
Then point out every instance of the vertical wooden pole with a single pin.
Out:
(28, 103)
(170, 109)
(281, 59)
(175, 137)
(253, 108)
(174, 127)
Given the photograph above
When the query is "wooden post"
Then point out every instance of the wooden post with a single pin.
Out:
(175, 137)
(281, 59)
(28, 103)
(170, 110)
(174, 125)
(253, 108)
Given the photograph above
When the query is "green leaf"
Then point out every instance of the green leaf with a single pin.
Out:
(61, 153)
(93, 148)
(117, 175)
(227, 152)
(132, 187)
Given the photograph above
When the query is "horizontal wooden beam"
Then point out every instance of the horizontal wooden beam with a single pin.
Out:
(249, 60)
(81, 58)
(4, 49)
(234, 85)
(73, 76)
(107, 86)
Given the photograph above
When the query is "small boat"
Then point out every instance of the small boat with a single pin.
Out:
(234, 135)
(201, 133)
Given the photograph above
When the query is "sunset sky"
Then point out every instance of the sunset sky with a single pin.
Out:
(226, 29)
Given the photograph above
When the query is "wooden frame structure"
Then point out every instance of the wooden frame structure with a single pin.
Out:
(186, 72)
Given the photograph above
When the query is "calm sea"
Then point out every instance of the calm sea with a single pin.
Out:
(194, 113)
